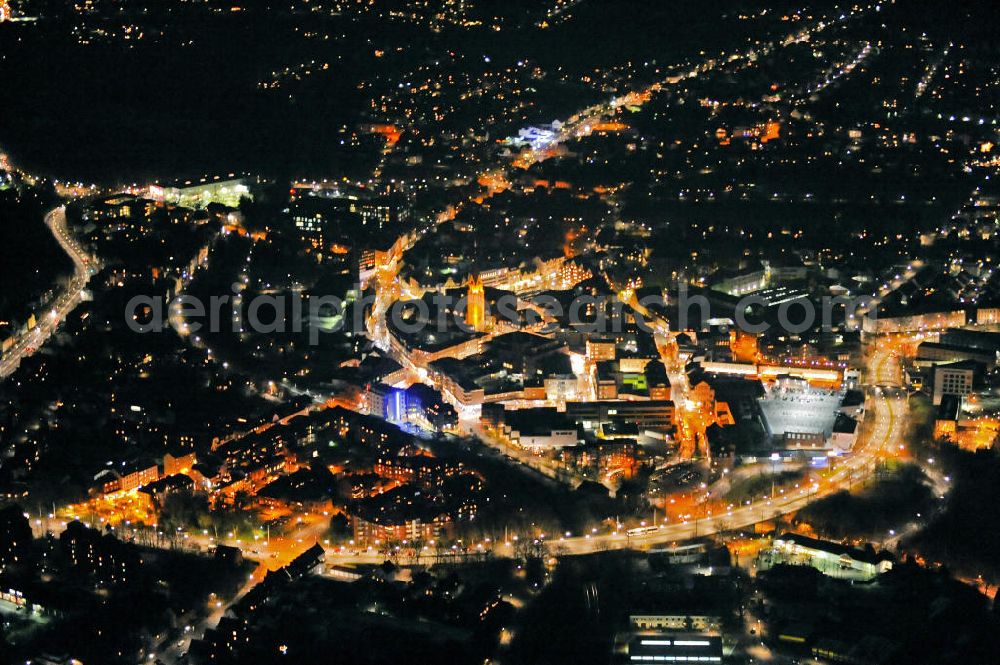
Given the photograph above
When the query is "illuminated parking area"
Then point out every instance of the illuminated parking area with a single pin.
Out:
(800, 410)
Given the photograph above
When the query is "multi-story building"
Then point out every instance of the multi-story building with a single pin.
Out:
(190, 194)
(601, 348)
(739, 283)
(543, 428)
(674, 621)
(133, 476)
(657, 415)
(421, 469)
(659, 647)
(389, 530)
(914, 322)
(954, 379)
(110, 560)
(934, 353)
(418, 405)
(475, 307)
(179, 463)
(15, 536)
(561, 387)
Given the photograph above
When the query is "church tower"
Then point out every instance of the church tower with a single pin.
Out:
(475, 308)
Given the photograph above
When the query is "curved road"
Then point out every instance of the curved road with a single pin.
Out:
(28, 341)
(882, 437)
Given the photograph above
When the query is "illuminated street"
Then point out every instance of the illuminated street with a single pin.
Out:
(465, 332)
(85, 266)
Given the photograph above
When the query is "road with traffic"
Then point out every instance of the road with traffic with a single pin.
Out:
(30, 340)
(880, 435)
(881, 438)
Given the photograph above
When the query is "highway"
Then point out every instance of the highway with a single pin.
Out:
(29, 341)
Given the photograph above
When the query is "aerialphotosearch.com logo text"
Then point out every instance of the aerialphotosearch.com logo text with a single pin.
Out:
(442, 312)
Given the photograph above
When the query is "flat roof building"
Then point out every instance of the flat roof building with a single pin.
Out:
(675, 648)
(831, 558)
(649, 414)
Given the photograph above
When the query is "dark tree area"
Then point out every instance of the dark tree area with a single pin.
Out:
(966, 535)
(575, 618)
(340, 528)
(890, 504)
(32, 258)
(920, 616)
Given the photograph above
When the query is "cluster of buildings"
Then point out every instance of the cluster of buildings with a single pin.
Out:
(330, 459)
(958, 372)
(418, 405)
(514, 366)
(102, 555)
(230, 635)
(395, 490)
(557, 385)
(680, 611)
(459, 251)
(355, 231)
(757, 411)
(933, 298)
(145, 474)
(133, 216)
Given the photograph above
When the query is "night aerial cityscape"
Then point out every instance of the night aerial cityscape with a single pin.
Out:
(521, 332)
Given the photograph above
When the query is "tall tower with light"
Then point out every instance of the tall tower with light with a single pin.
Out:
(475, 307)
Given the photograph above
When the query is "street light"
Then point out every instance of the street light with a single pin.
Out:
(774, 458)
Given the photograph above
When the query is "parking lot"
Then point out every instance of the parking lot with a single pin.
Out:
(808, 410)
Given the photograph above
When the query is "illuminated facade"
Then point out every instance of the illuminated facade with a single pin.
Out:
(599, 349)
(200, 194)
(953, 379)
(393, 531)
(475, 308)
(830, 558)
(915, 322)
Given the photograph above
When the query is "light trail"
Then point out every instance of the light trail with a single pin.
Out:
(28, 341)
